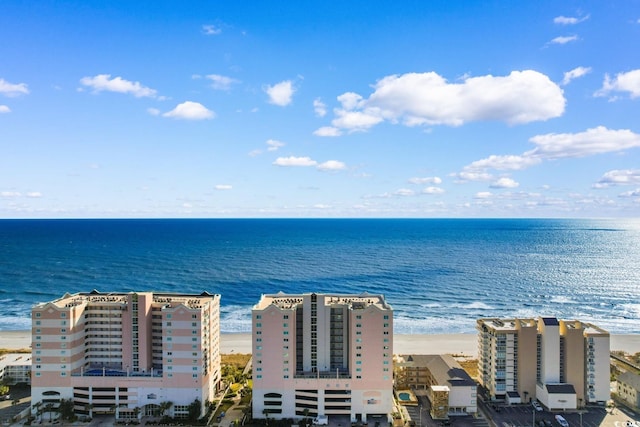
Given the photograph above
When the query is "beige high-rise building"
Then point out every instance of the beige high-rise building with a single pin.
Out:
(563, 364)
(126, 353)
(321, 355)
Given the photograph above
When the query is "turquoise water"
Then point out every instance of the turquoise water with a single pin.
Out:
(438, 274)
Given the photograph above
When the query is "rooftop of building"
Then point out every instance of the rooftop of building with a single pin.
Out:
(630, 379)
(511, 325)
(353, 301)
(15, 359)
(505, 325)
(588, 329)
(443, 367)
(97, 297)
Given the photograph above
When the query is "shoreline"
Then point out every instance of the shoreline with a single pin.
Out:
(456, 344)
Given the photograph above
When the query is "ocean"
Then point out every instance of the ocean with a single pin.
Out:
(439, 275)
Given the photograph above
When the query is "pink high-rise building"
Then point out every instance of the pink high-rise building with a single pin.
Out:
(126, 354)
(322, 355)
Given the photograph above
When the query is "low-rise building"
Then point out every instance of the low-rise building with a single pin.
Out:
(15, 368)
(628, 389)
(450, 389)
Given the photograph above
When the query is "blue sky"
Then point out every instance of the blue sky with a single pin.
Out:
(319, 109)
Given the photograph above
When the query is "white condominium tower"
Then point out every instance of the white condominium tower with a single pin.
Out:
(322, 355)
(562, 363)
(126, 353)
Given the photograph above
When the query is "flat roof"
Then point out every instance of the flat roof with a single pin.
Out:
(291, 301)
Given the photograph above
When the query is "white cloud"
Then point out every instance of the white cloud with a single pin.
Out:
(429, 99)
(507, 162)
(332, 165)
(221, 82)
(554, 146)
(432, 190)
(190, 110)
(623, 82)
(4, 109)
(470, 175)
(566, 20)
(633, 193)
(504, 182)
(319, 107)
(211, 30)
(574, 74)
(350, 100)
(11, 89)
(598, 140)
(483, 195)
(281, 93)
(405, 192)
(255, 152)
(356, 120)
(223, 187)
(34, 194)
(295, 161)
(153, 111)
(427, 180)
(274, 145)
(563, 39)
(619, 177)
(327, 131)
(104, 82)
(10, 194)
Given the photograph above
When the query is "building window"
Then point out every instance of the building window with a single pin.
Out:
(386, 317)
(38, 314)
(259, 325)
(286, 316)
(63, 315)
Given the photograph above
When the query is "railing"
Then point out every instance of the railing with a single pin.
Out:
(324, 375)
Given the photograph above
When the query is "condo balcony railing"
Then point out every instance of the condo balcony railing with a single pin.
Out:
(111, 372)
(336, 374)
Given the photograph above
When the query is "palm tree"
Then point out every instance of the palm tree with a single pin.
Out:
(164, 407)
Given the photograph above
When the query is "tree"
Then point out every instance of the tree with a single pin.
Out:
(164, 407)
(194, 410)
(66, 409)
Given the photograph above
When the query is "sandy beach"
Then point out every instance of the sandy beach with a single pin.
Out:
(458, 344)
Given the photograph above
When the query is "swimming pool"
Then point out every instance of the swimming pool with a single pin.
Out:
(404, 396)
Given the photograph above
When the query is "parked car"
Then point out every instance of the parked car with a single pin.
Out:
(536, 405)
(560, 420)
